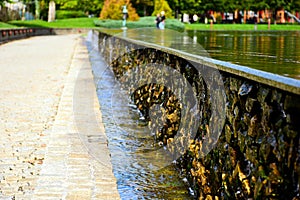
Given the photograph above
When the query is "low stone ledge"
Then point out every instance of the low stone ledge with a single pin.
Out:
(7, 35)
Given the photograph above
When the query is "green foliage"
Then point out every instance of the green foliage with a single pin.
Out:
(67, 4)
(66, 14)
(86, 6)
(109, 23)
(215, 5)
(91, 6)
(112, 9)
(185, 6)
(174, 24)
(162, 5)
(143, 7)
(141, 23)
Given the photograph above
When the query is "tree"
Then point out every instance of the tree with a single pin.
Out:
(143, 7)
(52, 11)
(90, 6)
(215, 5)
(162, 5)
(259, 5)
(295, 5)
(292, 5)
(232, 5)
(67, 4)
(112, 9)
(37, 9)
(185, 6)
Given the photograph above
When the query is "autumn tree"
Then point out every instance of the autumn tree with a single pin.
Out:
(112, 9)
(162, 5)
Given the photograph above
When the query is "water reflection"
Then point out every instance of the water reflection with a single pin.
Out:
(275, 52)
(272, 51)
(168, 38)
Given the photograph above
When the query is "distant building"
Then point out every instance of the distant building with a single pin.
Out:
(262, 16)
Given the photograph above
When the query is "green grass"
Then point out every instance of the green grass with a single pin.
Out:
(62, 23)
(141, 23)
(92, 23)
(243, 27)
(5, 25)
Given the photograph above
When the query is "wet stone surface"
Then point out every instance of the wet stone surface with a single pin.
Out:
(257, 154)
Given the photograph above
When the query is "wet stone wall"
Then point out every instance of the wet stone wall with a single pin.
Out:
(257, 154)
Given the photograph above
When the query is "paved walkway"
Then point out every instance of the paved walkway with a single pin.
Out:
(53, 144)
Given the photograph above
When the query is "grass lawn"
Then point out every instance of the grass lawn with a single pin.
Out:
(243, 27)
(143, 22)
(5, 25)
(62, 23)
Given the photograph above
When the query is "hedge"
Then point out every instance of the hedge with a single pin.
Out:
(66, 14)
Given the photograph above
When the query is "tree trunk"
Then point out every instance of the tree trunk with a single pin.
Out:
(51, 13)
(37, 9)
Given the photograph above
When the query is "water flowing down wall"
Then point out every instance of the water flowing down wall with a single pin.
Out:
(233, 131)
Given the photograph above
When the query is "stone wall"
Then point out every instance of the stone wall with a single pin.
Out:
(7, 35)
(257, 155)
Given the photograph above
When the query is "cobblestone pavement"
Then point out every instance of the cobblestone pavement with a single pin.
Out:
(49, 113)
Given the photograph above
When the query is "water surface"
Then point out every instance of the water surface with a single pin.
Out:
(277, 52)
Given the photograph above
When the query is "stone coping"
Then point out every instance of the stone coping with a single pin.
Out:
(284, 83)
(10, 34)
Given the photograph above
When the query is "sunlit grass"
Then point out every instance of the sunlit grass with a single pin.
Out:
(62, 23)
(5, 25)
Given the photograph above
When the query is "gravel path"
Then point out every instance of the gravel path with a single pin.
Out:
(49, 112)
